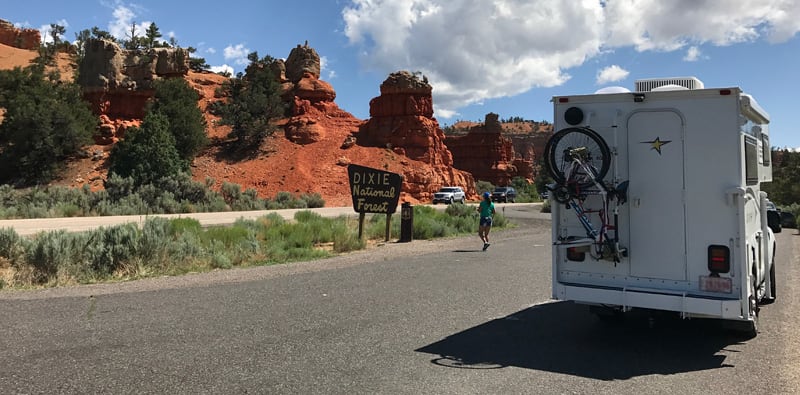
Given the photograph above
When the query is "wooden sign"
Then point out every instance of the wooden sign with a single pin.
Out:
(373, 190)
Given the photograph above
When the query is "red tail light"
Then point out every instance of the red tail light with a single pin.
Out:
(719, 259)
(576, 254)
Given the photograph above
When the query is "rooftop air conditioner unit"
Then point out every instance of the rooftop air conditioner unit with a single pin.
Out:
(647, 85)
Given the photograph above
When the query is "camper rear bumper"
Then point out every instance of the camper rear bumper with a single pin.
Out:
(687, 306)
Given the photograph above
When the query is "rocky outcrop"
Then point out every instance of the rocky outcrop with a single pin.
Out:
(488, 155)
(401, 120)
(19, 38)
(309, 97)
(118, 82)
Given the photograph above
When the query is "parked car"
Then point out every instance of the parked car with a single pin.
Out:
(774, 217)
(504, 194)
(449, 195)
(788, 220)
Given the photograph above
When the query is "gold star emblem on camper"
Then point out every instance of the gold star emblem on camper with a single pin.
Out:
(657, 144)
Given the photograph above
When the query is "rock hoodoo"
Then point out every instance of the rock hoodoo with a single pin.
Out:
(488, 155)
(310, 98)
(19, 38)
(401, 120)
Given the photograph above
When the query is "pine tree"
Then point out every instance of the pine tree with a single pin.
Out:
(254, 102)
(148, 153)
(46, 122)
(177, 101)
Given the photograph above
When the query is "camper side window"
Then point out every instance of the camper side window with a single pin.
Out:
(751, 160)
(766, 150)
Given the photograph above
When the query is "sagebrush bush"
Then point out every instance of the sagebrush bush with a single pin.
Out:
(46, 253)
(112, 247)
(346, 241)
(313, 200)
(12, 245)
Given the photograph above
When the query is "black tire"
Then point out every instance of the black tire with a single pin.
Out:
(463, 200)
(557, 157)
(451, 200)
(772, 286)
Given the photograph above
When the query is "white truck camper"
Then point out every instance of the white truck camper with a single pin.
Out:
(657, 203)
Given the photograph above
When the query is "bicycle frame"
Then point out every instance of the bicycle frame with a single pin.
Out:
(604, 246)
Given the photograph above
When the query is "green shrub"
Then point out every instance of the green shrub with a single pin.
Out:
(462, 210)
(179, 226)
(111, 248)
(346, 241)
(483, 186)
(148, 153)
(47, 252)
(12, 246)
(313, 200)
(228, 236)
(220, 260)
(68, 210)
(157, 233)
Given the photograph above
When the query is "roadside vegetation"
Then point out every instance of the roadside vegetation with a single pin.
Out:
(526, 192)
(784, 190)
(177, 194)
(177, 246)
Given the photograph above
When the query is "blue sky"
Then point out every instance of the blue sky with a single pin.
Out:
(504, 56)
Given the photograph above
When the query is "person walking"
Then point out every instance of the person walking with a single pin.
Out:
(486, 210)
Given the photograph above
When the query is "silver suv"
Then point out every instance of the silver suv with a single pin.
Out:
(449, 195)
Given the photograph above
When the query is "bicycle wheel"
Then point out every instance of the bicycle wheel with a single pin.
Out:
(560, 149)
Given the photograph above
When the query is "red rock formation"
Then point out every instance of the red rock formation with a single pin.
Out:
(488, 155)
(402, 121)
(118, 83)
(19, 38)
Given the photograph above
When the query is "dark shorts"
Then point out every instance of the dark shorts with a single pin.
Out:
(486, 221)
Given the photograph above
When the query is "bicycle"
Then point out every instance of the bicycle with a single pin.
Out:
(578, 159)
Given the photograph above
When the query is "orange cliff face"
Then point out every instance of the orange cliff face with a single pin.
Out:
(29, 39)
(489, 155)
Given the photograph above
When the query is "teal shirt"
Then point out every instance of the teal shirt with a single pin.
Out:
(486, 208)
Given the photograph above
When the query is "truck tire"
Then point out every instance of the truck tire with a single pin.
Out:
(772, 285)
(463, 199)
(751, 327)
(556, 158)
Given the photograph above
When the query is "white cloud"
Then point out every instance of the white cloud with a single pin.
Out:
(237, 54)
(211, 50)
(472, 51)
(670, 25)
(323, 68)
(611, 73)
(223, 68)
(693, 54)
(124, 22)
(120, 26)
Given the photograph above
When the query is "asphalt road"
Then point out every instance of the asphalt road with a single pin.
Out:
(403, 318)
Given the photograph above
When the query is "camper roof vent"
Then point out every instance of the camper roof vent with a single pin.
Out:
(650, 84)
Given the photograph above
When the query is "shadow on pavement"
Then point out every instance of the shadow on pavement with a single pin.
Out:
(563, 337)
